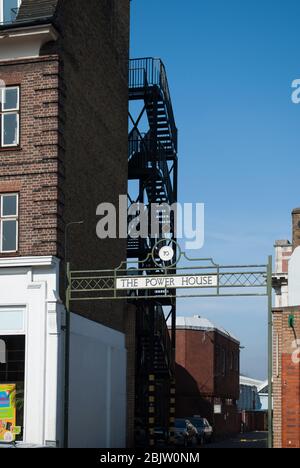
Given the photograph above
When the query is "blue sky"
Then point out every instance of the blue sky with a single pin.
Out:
(230, 66)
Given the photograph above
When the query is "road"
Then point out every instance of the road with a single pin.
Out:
(252, 440)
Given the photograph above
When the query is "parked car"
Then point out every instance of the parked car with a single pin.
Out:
(180, 431)
(205, 430)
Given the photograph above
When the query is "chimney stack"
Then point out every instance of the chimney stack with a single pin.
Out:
(296, 228)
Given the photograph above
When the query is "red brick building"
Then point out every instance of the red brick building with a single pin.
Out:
(286, 333)
(63, 151)
(207, 373)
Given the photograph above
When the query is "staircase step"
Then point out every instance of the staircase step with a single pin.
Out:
(157, 113)
(163, 127)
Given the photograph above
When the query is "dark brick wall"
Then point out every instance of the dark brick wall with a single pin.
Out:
(94, 52)
(197, 354)
(198, 382)
(130, 332)
(228, 385)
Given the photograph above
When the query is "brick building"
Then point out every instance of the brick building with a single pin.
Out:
(207, 373)
(64, 140)
(286, 333)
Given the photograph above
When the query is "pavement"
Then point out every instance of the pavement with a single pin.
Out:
(253, 440)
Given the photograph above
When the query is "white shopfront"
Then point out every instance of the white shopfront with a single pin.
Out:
(30, 307)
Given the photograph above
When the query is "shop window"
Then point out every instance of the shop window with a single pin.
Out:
(12, 369)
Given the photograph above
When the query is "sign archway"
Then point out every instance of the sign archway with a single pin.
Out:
(173, 274)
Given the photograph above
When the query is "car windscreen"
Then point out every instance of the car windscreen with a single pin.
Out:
(180, 424)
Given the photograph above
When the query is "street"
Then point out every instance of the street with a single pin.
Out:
(253, 440)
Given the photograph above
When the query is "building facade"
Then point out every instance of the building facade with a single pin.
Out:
(286, 336)
(64, 140)
(250, 399)
(207, 373)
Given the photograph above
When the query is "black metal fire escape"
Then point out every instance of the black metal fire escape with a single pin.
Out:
(153, 164)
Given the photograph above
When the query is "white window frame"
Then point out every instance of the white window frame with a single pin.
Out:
(9, 112)
(2, 9)
(9, 218)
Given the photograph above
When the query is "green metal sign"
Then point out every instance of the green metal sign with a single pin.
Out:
(170, 273)
(196, 278)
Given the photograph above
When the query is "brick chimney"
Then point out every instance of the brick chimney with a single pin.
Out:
(296, 228)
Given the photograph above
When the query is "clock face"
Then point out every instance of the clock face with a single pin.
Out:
(166, 254)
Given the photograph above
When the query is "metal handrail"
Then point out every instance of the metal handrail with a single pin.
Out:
(163, 330)
(145, 146)
(144, 72)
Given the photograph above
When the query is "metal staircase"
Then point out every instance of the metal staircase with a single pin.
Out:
(153, 164)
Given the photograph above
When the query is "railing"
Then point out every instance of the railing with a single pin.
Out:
(164, 169)
(146, 72)
(161, 330)
(139, 145)
(144, 147)
(161, 334)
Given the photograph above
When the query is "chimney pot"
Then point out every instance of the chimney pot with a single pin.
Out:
(296, 227)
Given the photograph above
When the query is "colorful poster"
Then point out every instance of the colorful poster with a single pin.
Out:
(7, 412)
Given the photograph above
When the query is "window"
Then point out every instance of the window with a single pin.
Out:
(8, 10)
(12, 371)
(237, 362)
(224, 362)
(232, 358)
(9, 223)
(10, 116)
(218, 361)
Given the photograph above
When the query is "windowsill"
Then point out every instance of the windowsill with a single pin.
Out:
(9, 254)
(10, 149)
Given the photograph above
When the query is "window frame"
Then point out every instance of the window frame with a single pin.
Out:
(14, 111)
(9, 218)
(2, 9)
(237, 362)
(224, 362)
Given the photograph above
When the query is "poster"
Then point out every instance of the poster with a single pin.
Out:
(7, 412)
